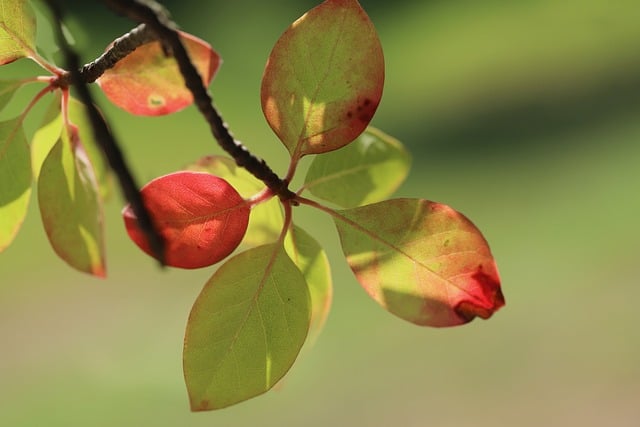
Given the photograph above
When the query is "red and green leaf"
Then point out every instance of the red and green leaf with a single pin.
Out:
(78, 115)
(421, 260)
(7, 89)
(17, 30)
(49, 132)
(312, 261)
(148, 82)
(70, 205)
(246, 328)
(200, 216)
(368, 170)
(15, 180)
(323, 80)
(266, 219)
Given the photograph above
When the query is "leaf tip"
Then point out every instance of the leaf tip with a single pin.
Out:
(488, 299)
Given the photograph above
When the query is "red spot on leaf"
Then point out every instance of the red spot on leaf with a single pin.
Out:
(487, 296)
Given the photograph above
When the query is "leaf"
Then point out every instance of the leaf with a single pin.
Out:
(17, 30)
(312, 261)
(147, 82)
(49, 132)
(266, 219)
(47, 135)
(366, 171)
(70, 206)
(323, 80)
(7, 89)
(200, 216)
(15, 180)
(78, 115)
(421, 260)
(245, 329)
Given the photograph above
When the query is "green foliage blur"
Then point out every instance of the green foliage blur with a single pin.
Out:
(523, 115)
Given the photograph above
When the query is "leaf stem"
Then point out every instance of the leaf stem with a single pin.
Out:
(107, 141)
(152, 14)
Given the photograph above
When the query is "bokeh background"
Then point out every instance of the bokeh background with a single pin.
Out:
(524, 115)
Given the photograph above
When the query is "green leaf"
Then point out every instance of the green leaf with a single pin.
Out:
(366, 171)
(15, 180)
(49, 132)
(70, 206)
(17, 30)
(46, 136)
(323, 80)
(312, 261)
(7, 89)
(266, 221)
(421, 260)
(246, 328)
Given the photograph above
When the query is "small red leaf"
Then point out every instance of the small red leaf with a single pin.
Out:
(147, 82)
(201, 217)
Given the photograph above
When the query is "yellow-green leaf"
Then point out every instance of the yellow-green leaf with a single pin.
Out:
(46, 136)
(368, 170)
(312, 261)
(70, 206)
(15, 180)
(246, 328)
(323, 80)
(421, 260)
(17, 30)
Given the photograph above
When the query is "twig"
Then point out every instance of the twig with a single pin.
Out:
(153, 15)
(121, 47)
(106, 140)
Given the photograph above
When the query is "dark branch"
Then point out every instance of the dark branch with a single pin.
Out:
(106, 140)
(122, 46)
(151, 13)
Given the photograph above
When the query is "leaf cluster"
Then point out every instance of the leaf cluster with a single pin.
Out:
(420, 260)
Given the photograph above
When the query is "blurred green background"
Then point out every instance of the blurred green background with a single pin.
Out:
(524, 115)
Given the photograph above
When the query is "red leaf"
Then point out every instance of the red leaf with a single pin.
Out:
(147, 82)
(201, 217)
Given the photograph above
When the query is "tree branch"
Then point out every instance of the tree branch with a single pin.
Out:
(153, 15)
(106, 140)
(121, 47)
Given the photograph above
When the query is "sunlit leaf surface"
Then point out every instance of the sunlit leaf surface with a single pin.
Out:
(148, 82)
(312, 261)
(245, 329)
(368, 170)
(70, 206)
(17, 30)
(421, 260)
(323, 80)
(200, 216)
(15, 180)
